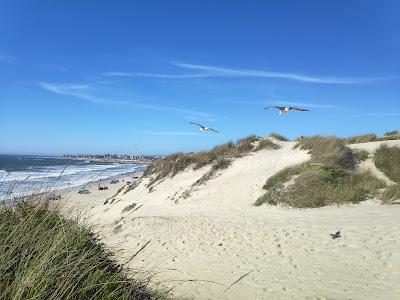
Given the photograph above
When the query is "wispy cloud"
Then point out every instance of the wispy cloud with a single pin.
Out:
(214, 71)
(83, 92)
(171, 133)
(155, 75)
(7, 59)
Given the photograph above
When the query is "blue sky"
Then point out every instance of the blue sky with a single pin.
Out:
(103, 76)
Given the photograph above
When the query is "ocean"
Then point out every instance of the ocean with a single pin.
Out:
(24, 174)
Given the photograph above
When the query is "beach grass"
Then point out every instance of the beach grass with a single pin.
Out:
(279, 137)
(360, 155)
(216, 157)
(44, 256)
(328, 178)
(328, 150)
(391, 194)
(372, 137)
(316, 185)
(387, 159)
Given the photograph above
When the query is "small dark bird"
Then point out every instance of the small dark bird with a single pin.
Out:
(203, 128)
(285, 109)
(336, 235)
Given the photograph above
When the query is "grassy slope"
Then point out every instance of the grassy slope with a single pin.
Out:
(217, 157)
(329, 178)
(387, 159)
(43, 256)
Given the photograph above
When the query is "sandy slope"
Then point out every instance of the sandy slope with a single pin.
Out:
(215, 236)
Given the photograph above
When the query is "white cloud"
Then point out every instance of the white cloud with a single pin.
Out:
(214, 71)
(82, 92)
(227, 72)
(155, 75)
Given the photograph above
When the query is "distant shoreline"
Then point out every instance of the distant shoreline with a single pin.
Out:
(109, 160)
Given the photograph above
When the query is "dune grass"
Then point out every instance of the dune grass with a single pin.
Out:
(43, 256)
(391, 194)
(371, 137)
(360, 155)
(364, 138)
(328, 178)
(316, 185)
(279, 137)
(178, 162)
(387, 159)
(328, 150)
(391, 133)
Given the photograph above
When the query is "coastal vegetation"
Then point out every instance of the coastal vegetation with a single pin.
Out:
(328, 178)
(279, 137)
(387, 159)
(218, 157)
(44, 256)
(391, 194)
(371, 137)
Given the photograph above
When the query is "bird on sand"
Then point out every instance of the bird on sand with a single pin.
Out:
(285, 109)
(203, 128)
(336, 235)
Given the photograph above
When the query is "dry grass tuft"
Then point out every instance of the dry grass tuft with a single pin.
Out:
(279, 137)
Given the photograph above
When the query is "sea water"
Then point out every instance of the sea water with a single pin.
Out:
(22, 175)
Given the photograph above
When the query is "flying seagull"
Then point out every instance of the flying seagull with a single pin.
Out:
(285, 109)
(203, 128)
(336, 235)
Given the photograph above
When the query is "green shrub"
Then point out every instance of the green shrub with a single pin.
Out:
(43, 256)
(387, 159)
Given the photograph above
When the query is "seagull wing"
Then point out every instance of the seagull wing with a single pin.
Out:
(279, 107)
(298, 108)
(214, 130)
(201, 126)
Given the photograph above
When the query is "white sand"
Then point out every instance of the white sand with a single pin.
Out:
(216, 235)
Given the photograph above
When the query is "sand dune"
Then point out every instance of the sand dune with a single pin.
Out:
(203, 241)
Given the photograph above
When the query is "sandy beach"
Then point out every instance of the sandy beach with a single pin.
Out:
(201, 244)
